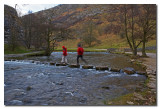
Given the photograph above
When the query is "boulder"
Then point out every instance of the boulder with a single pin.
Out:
(74, 66)
(87, 67)
(141, 72)
(115, 70)
(129, 70)
(101, 68)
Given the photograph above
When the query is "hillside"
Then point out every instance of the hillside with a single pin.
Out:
(92, 25)
(77, 16)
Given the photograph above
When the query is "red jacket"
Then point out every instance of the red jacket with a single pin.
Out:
(64, 51)
(80, 51)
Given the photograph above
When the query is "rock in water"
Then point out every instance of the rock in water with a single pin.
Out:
(52, 63)
(129, 70)
(105, 87)
(60, 64)
(101, 68)
(28, 88)
(87, 67)
(115, 70)
(74, 66)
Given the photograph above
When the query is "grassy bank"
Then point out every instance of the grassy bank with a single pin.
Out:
(18, 50)
(40, 53)
(85, 49)
(130, 99)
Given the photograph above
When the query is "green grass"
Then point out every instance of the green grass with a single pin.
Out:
(85, 49)
(18, 50)
(122, 100)
(150, 43)
(151, 51)
(41, 53)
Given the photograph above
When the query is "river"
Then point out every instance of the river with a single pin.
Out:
(27, 83)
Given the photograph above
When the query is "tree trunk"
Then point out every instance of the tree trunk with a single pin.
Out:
(144, 46)
(135, 51)
(48, 51)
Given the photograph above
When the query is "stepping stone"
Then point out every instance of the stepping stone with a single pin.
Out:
(115, 70)
(101, 68)
(129, 70)
(7, 60)
(60, 64)
(87, 67)
(105, 87)
(74, 66)
(52, 63)
(13, 60)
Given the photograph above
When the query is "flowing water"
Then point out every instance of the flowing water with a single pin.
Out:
(27, 83)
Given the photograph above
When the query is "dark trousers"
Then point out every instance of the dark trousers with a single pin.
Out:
(80, 56)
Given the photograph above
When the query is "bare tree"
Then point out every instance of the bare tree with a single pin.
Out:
(52, 34)
(147, 23)
(88, 35)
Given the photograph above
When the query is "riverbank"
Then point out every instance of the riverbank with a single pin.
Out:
(139, 97)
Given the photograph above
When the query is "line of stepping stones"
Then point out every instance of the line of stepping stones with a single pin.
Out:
(126, 70)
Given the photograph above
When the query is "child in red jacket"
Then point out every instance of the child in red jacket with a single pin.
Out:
(64, 56)
(80, 54)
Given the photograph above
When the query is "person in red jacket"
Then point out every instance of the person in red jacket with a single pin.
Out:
(80, 51)
(64, 56)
